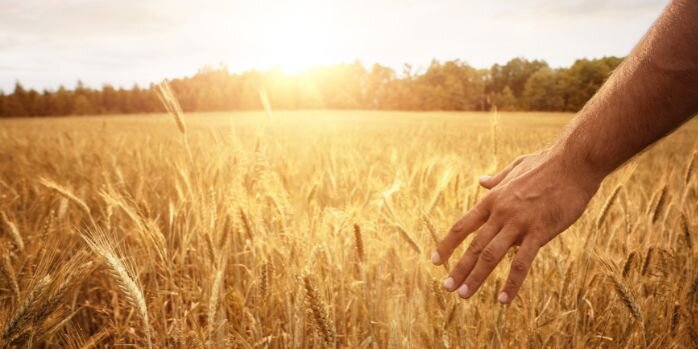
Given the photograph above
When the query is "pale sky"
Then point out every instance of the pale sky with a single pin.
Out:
(46, 43)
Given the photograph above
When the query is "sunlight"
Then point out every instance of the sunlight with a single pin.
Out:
(301, 36)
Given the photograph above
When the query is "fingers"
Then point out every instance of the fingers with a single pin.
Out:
(490, 182)
(472, 220)
(519, 268)
(488, 260)
(470, 257)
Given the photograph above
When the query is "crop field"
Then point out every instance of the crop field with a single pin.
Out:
(315, 229)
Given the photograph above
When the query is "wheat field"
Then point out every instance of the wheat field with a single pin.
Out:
(315, 229)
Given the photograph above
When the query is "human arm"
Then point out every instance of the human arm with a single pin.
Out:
(538, 196)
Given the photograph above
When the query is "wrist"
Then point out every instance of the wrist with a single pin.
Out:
(574, 163)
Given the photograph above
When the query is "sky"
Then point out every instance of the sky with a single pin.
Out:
(48, 43)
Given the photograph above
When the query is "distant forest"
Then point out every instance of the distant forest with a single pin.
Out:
(519, 84)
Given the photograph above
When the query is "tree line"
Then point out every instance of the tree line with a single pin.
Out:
(519, 84)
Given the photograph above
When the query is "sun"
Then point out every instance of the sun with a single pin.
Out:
(301, 38)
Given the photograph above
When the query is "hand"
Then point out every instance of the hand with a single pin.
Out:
(531, 201)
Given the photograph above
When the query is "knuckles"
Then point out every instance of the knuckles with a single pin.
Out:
(475, 247)
(489, 256)
(518, 267)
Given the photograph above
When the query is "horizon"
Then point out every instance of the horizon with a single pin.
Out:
(71, 86)
(47, 44)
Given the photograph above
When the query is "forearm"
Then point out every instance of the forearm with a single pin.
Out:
(651, 93)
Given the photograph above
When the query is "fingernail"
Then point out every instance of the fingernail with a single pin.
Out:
(436, 258)
(485, 178)
(503, 297)
(449, 283)
(463, 291)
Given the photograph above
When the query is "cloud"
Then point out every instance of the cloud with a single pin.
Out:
(44, 43)
(79, 18)
(585, 8)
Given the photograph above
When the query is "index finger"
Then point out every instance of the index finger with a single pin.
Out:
(470, 222)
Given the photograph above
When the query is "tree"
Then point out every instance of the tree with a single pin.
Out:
(514, 74)
(450, 85)
(543, 92)
(504, 100)
(584, 78)
(81, 105)
(379, 92)
(15, 104)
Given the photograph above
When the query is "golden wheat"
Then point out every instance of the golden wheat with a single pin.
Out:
(11, 229)
(122, 274)
(200, 246)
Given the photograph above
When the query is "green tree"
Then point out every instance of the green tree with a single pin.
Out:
(505, 100)
(584, 78)
(81, 105)
(513, 74)
(543, 91)
(15, 104)
(451, 85)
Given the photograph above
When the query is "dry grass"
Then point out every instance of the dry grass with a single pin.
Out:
(315, 229)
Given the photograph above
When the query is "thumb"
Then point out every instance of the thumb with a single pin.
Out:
(490, 182)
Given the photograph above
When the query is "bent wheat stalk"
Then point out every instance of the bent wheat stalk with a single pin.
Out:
(13, 327)
(12, 230)
(171, 104)
(122, 274)
(66, 193)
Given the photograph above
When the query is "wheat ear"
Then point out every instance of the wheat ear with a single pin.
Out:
(607, 205)
(318, 311)
(358, 241)
(627, 299)
(213, 300)
(122, 274)
(9, 272)
(66, 193)
(12, 230)
(13, 325)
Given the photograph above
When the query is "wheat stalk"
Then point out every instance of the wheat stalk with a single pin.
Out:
(171, 104)
(122, 274)
(689, 168)
(94, 339)
(50, 331)
(647, 261)
(265, 279)
(406, 236)
(12, 230)
(9, 272)
(627, 298)
(246, 223)
(318, 311)
(24, 313)
(358, 241)
(66, 193)
(686, 231)
(607, 206)
(213, 300)
(438, 294)
(675, 318)
(629, 264)
(169, 100)
(661, 201)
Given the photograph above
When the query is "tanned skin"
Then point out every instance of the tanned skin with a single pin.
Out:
(538, 196)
